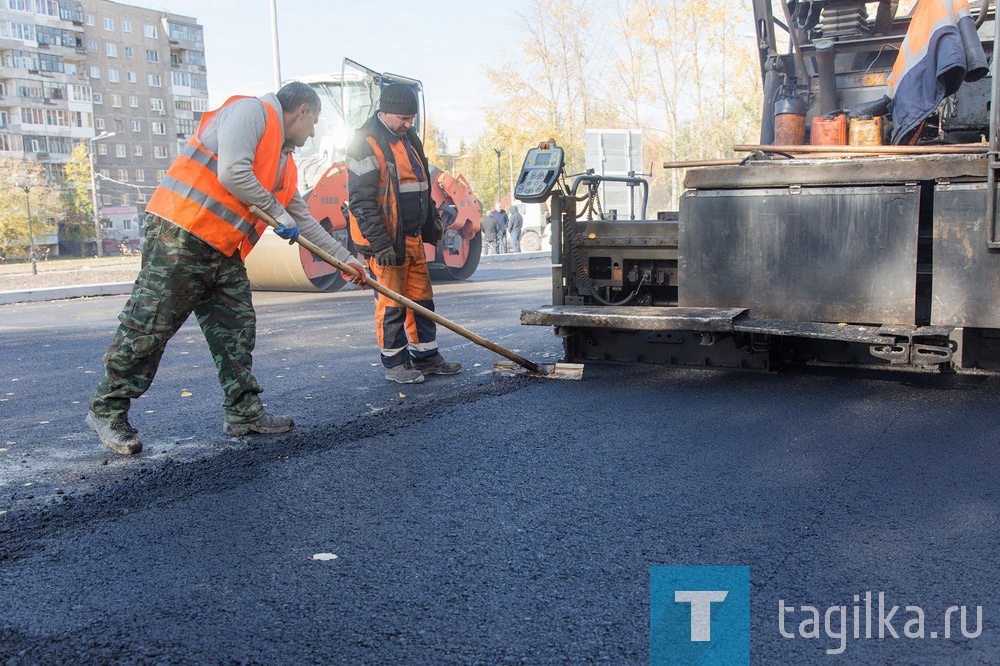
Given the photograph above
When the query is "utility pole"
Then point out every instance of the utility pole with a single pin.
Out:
(274, 39)
(93, 189)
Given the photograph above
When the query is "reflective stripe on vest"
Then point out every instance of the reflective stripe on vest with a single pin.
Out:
(929, 17)
(191, 196)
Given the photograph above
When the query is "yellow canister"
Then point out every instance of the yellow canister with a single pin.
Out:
(865, 131)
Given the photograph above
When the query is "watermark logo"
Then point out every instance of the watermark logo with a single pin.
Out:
(699, 615)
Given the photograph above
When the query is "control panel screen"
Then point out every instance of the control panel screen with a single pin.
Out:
(539, 173)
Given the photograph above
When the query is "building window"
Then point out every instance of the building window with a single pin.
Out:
(156, 104)
(80, 93)
(181, 79)
(89, 18)
(185, 126)
(160, 173)
(99, 124)
(51, 63)
(10, 142)
(116, 101)
(109, 24)
(160, 152)
(129, 52)
(138, 153)
(4, 119)
(111, 50)
(119, 125)
(131, 77)
(113, 75)
(102, 149)
(136, 125)
(199, 103)
(150, 31)
(159, 128)
(120, 150)
(126, 26)
(92, 47)
(152, 55)
(140, 176)
(154, 80)
(133, 101)
(98, 98)
(95, 72)
(122, 174)
(32, 117)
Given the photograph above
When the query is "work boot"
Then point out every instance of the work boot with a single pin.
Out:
(404, 374)
(436, 365)
(267, 424)
(119, 436)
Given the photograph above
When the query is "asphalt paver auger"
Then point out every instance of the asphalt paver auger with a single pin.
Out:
(516, 365)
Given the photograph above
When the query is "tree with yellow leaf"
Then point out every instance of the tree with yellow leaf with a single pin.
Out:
(23, 185)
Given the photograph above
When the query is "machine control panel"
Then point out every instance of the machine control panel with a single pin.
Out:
(539, 173)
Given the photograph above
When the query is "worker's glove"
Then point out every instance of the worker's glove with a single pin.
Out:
(385, 257)
(288, 229)
(356, 279)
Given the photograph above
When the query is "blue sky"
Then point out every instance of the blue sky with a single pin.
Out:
(445, 44)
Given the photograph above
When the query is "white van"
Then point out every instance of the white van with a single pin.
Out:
(535, 230)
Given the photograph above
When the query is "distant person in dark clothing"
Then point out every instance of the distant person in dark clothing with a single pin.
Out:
(501, 218)
(489, 227)
(514, 229)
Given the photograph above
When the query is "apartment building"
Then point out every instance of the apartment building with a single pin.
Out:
(147, 74)
(71, 70)
(45, 98)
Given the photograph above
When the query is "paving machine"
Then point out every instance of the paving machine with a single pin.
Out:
(888, 259)
(349, 98)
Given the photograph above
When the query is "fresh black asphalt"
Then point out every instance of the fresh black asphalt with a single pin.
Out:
(476, 519)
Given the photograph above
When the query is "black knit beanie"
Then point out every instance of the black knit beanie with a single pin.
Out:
(398, 99)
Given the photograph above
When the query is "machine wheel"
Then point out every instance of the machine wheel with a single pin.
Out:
(329, 283)
(465, 271)
(530, 242)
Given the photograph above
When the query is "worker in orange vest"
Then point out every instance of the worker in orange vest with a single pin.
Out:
(392, 215)
(199, 229)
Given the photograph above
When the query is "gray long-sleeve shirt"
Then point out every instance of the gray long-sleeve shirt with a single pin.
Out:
(233, 134)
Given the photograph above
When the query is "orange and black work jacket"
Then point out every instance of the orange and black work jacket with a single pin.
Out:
(191, 196)
(940, 50)
(388, 184)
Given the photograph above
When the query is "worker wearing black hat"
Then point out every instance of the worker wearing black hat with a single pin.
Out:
(391, 217)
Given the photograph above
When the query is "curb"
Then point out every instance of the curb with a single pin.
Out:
(59, 293)
(514, 256)
(119, 288)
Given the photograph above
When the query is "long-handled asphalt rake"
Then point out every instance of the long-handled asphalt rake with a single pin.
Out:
(530, 368)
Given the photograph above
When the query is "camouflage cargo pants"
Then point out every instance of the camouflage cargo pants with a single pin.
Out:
(182, 274)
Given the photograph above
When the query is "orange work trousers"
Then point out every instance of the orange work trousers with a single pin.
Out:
(401, 332)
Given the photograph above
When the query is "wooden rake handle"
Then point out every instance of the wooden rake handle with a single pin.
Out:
(402, 300)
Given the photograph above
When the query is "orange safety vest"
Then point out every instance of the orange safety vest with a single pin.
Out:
(191, 196)
(388, 205)
(406, 180)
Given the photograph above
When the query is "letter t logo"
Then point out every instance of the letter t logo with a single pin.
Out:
(701, 611)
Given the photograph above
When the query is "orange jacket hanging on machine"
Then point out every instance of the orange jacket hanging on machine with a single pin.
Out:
(191, 196)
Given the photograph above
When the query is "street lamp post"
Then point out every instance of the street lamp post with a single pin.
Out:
(93, 189)
(31, 233)
(274, 39)
(498, 151)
